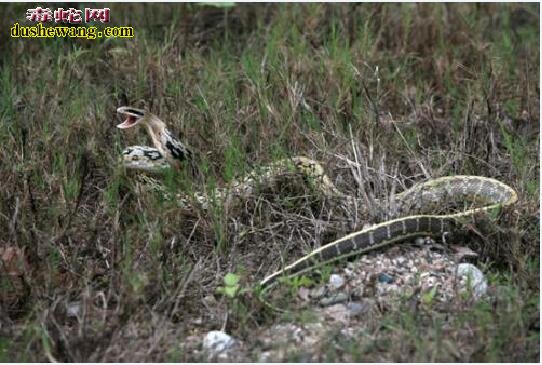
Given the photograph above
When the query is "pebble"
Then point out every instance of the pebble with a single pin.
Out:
(399, 260)
(409, 279)
(317, 293)
(431, 281)
(358, 291)
(336, 281)
(470, 274)
(282, 333)
(383, 289)
(303, 293)
(357, 297)
(343, 312)
(357, 308)
(389, 275)
(338, 312)
(217, 342)
(337, 298)
(385, 278)
(420, 241)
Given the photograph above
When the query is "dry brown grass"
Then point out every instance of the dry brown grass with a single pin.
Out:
(456, 92)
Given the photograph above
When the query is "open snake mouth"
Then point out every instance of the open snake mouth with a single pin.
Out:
(133, 116)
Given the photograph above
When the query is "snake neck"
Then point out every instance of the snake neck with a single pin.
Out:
(173, 150)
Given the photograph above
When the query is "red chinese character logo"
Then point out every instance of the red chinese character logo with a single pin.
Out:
(74, 16)
(68, 16)
(39, 15)
(97, 14)
(61, 15)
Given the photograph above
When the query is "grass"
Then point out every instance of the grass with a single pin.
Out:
(409, 89)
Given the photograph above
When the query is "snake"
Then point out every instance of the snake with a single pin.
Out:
(480, 194)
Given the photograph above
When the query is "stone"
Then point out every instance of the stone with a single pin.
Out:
(338, 312)
(385, 278)
(420, 241)
(337, 298)
(217, 342)
(358, 308)
(303, 293)
(317, 293)
(336, 281)
(472, 278)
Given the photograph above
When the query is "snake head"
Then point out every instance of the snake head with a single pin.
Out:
(133, 116)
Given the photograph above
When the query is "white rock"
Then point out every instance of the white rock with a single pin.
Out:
(399, 260)
(216, 342)
(336, 281)
(473, 276)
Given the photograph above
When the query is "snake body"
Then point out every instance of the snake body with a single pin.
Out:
(489, 194)
(488, 191)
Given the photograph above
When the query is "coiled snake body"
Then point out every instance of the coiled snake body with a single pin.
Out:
(488, 193)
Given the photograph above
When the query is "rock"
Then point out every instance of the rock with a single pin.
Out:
(303, 293)
(217, 342)
(279, 339)
(343, 312)
(385, 278)
(336, 281)
(424, 241)
(354, 308)
(472, 278)
(317, 293)
(267, 356)
(383, 289)
(284, 332)
(358, 291)
(409, 279)
(420, 241)
(357, 308)
(338, 312)
(337, 298)
(400, 260)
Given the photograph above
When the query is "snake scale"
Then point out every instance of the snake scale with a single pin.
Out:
(489, 194)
